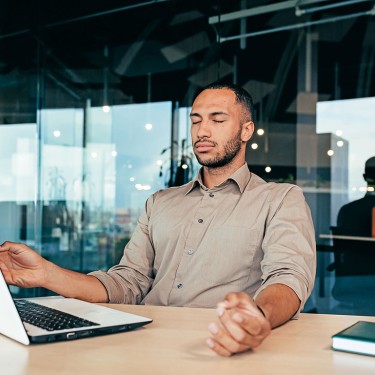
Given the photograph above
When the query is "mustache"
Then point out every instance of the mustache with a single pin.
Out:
(205, 140)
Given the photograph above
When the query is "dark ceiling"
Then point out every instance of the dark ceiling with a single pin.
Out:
(141, 51)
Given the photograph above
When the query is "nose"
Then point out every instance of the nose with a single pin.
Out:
(203, 130)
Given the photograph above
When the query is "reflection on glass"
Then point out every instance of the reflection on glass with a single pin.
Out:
(349, 124)
(18, 154)
(353, 120)
(187, 165)
(97, 169)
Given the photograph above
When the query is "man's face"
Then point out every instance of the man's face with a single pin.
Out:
(216, 129)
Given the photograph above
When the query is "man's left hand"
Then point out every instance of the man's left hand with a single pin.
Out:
(241, 325)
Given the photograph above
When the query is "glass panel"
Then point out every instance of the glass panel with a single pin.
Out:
(187, 163)
(93, 195)
(75, 195)
(61, 185)
(346, 229)
(18, 155)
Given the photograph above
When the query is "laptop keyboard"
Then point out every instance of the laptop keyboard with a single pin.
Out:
(48, 318)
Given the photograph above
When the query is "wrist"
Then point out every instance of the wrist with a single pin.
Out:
(49, 269)
(261, 310)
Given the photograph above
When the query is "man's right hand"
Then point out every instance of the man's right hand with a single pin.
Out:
(22, 266)
(25, 268)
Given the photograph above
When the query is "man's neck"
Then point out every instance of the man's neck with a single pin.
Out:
(215, 176)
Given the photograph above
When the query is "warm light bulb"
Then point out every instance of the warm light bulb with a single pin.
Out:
(106, 108)
(268, 169)
(148, 126)
(57, 133)
(330, 152)
(340, 143)
(254, 146)
(260, 131)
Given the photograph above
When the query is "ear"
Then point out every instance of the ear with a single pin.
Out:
(247, 131)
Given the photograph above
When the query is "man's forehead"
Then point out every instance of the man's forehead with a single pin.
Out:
(212, 98)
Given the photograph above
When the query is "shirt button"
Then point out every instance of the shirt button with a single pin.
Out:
(179, 286)
(200, 220)
(212, 195)
(190, 252)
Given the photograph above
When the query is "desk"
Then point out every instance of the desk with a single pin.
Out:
(174, 344)
(350, 238)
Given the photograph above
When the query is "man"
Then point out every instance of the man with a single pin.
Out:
(354, 259)
(226, 236)
(355, 218)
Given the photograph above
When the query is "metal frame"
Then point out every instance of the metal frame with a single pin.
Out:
(278, 7)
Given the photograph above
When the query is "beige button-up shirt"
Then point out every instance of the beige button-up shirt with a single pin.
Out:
(193, 245)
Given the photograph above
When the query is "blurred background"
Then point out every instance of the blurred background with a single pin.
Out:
(94, 117)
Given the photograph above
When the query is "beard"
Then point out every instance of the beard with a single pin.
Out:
(231, 150)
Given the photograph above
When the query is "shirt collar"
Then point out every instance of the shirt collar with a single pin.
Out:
(241, 178)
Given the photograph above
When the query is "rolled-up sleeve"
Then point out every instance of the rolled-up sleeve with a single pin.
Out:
(130, 280)
(289, 245)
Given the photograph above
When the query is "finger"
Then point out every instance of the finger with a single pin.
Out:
(237, 299)
(240, 327)
(234, 299)
(224, 340)
(216, 347)
(10, 247)
(256, 326)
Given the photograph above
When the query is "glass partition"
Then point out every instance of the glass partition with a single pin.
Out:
(94, 105)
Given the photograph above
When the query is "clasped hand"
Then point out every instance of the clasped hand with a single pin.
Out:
(241, 325)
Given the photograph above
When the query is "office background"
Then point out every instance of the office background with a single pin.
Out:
(94, 104)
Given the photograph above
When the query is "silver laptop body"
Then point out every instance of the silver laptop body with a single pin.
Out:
(106, 320)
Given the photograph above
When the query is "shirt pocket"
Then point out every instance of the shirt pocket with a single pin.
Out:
(228, 255)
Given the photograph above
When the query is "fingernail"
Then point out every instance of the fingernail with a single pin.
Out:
(210, 343)
(220, 311)
(237, 318)
(213, 328)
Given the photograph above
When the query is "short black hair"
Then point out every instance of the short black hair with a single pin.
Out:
(242, 96)
(370, 168)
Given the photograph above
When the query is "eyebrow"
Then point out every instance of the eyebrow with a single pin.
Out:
(211, 114)
(219, 114)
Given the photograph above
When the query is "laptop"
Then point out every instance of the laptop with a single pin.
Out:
(49, 319)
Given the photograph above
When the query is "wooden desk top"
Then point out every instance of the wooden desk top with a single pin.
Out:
(350, 238)
(175, 344)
